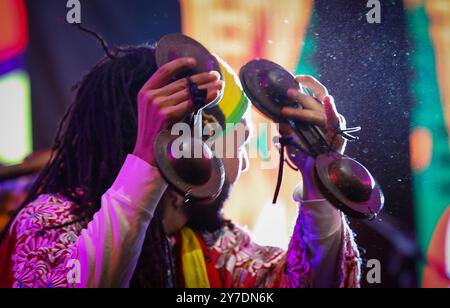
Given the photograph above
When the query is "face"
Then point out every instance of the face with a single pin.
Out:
(239, 162)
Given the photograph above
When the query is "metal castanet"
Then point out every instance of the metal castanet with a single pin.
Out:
(346, 183)
(174, 46)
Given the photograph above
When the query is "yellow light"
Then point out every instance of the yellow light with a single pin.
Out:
(15, 117)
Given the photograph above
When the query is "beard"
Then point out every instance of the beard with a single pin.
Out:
(208, 216)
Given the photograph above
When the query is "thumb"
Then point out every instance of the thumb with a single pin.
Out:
(332, 121)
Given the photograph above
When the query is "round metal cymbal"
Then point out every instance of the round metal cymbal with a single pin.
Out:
(349, 186)
(176, 45)
(266, 84)
(199, 178)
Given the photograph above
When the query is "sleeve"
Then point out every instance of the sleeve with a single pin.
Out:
(322, 253)
(106, 252)
(322, 250)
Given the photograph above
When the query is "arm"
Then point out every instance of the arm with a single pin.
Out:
(322, 251)
(322, 229)
(109, 248)
(331, 250)
(50, 252)
(128, 207)
(329, 242)
(44, 242)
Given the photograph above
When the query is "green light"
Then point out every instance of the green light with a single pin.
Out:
(15, 117)
(430, 199)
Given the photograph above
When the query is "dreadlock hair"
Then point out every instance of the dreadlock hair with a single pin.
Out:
(94, 137)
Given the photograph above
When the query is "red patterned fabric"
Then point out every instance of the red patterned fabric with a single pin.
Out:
(32, 258)
(39, 259)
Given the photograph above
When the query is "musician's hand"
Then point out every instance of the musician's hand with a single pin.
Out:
(162, 103)
(318, 110)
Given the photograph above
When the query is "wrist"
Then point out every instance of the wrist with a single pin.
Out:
(145, 155)
(312, 193)
(310, 187)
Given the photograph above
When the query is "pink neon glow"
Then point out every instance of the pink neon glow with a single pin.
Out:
(18, 30)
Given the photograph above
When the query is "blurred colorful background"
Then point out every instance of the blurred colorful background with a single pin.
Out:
(391, 78)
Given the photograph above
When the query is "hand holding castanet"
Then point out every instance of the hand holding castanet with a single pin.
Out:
(162, 102)
(313, 133)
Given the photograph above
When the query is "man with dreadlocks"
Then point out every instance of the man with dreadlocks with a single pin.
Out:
(100, 208)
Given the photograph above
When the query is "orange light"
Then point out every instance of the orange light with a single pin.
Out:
(13, 28)
(421, 142)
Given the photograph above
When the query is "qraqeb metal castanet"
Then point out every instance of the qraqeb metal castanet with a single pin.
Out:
(346, 183)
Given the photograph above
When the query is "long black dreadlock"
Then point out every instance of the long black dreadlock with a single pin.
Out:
(94, 137)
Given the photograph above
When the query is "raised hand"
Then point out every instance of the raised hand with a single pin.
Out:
(320, 110)
(162, 103)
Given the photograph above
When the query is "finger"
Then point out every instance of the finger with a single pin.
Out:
(343, 121)
(180, 85)
(184, 94)
(285, 129)
(179, 112)
(333, 122)
(304, 115)
(339, 144)
(216, 85)
(331, 115)
(305, 100)
(212, 95)
(165, 73)
(206, 77)
(317, 88)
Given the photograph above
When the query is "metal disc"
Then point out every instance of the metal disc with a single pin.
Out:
(349, 186)
(266, 84)
(201, 178)
(174, 46)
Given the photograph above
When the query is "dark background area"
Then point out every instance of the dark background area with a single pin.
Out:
(366, 67)
(361, 63)
(59, 54)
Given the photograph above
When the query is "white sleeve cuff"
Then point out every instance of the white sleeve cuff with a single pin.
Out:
(320, 219)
